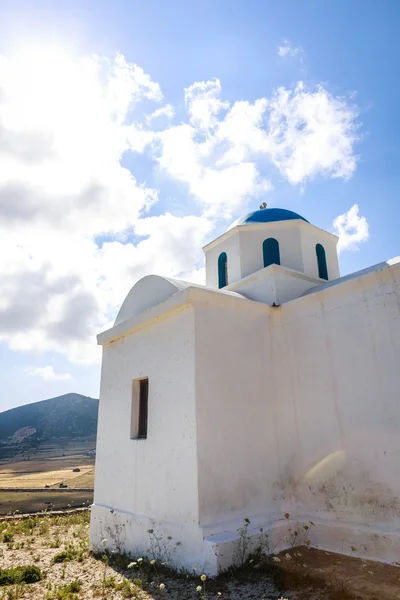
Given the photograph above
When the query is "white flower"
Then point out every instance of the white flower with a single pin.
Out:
(140, 559)
(162, 586)
(199, 588)
(153, 562)
(131, 565)
(203, 577)
(276, 559)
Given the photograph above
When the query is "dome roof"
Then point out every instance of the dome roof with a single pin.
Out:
(268, 215)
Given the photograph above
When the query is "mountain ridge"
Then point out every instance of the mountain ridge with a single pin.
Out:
(68, 416)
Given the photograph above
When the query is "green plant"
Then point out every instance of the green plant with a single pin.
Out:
(14, 593)
(242, 549)
(24, 574)
(66, 591)
(126, 589)
(62, 557)
(7, 538)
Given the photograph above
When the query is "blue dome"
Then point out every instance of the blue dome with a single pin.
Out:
(269, 215)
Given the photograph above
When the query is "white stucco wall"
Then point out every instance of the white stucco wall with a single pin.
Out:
(336, 356)
(233, 428)
(156, 477)
(274, 285)
(230, 245)
(298, 411)
(310, 237)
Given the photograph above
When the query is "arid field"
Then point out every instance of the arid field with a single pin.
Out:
(49, 467)
(52, 553)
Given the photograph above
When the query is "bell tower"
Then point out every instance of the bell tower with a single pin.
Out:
(272, 255)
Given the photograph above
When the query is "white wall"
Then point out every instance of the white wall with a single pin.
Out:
(230, 245)
(310, 237)
(274, 285)
(298, 411)
(157, 476)
(287, 233)
(336, 359)
(236, 452)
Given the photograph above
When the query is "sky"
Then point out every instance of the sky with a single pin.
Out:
(132, 133)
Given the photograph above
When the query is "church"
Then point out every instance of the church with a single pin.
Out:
(274, 389)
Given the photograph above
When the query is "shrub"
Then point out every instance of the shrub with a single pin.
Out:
(63, 485)
(27, 574)
(62, 556)
(76, 470)
(8, 537)
(66, 591)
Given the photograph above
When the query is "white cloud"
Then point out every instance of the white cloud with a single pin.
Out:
(224, 150)
(312, 133)
(165, 111)
(47, 373)
(288, 49)
(75, 233)
(204, 104)
(351, 228)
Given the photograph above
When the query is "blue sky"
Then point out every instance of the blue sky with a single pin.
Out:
(96, 190)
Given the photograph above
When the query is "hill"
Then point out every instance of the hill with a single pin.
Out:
(65, 417)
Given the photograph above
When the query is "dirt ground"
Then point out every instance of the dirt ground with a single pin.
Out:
(30, 502)
(321, 576)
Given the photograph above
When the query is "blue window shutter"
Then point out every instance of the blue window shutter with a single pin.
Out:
(222, 270)
(321, 259)
(271, 252)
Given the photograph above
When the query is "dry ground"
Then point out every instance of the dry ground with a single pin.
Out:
(30, 502)
(51, 465)
(37, 541)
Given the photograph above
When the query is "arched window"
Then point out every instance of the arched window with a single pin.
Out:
(222, 270)
(321, 259)
(271, 252)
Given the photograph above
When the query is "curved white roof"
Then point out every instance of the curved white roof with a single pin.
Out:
(152, 290)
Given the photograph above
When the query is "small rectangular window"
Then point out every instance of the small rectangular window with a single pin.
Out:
(143, 408)
(140, 401)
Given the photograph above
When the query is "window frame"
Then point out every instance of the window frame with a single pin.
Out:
(275, 250)
(140, 409)
(321, 262)
(222, 270)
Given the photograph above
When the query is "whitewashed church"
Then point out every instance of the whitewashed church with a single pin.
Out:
(273, 389)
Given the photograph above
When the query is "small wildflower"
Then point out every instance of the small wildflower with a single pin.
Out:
(162, 586)
(153, 562)
(251, 561)
(276, 559)
(140, 559)
(199, 588)
(203, 577)
(131, 565)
